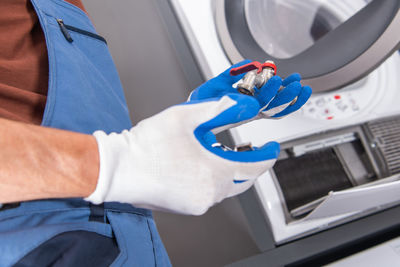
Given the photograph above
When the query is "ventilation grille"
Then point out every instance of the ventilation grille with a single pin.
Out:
(386, 135)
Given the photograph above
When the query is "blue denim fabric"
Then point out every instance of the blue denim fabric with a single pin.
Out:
(84, 95)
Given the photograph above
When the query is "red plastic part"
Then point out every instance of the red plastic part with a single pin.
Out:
(269, 65)
(255, 65)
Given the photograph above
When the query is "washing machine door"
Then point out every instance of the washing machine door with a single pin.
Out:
(331, 43)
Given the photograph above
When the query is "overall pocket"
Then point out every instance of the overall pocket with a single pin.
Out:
(84, 93)
(65, 29)
(56, 238)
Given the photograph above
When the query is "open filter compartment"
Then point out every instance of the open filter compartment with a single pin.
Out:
(340, 172)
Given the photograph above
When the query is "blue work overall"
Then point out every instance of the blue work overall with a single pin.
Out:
(84, 95)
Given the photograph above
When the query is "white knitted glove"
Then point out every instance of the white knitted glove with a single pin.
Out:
(167, 162)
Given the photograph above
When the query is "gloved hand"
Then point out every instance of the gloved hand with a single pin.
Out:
(167, 162)
(273, 104)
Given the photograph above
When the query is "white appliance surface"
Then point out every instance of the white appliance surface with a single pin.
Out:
(384, 255)
(373, 97)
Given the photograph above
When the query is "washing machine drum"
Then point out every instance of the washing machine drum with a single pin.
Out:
(331, 43)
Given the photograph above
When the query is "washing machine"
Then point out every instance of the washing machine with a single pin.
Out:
(335, 188)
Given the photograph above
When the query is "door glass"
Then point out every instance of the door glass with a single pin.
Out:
(285, 28)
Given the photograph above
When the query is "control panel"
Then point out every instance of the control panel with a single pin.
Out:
(340, 104)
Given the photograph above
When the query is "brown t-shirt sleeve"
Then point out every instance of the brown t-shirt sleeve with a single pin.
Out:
(24, 63)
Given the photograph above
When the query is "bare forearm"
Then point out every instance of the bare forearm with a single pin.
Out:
(38, 162)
